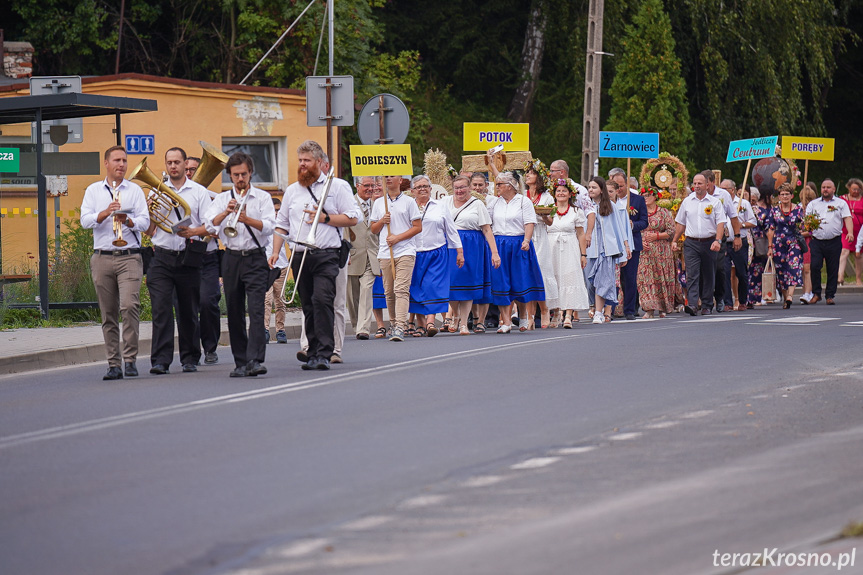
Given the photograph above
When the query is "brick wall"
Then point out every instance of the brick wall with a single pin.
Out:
(17, 59)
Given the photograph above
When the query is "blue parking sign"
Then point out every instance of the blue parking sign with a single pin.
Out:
(140, 144)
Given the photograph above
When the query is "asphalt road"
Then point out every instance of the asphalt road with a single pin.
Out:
(633, 447)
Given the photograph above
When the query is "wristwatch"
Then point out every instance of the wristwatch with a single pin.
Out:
(736, 235)
(327, 219)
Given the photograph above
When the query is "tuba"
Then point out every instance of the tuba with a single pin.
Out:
(164, 200)
(213, 161)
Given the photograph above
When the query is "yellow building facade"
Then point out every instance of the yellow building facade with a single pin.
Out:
(268, 123)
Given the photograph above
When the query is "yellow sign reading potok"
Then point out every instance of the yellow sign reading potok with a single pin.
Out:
(479, 137)
(381, 160)
(820, 149)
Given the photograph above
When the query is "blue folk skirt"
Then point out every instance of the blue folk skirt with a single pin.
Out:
(379, 297)
(518, 278)
(430, 282)
(472, 281)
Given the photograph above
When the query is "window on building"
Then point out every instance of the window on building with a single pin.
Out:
(270, 171)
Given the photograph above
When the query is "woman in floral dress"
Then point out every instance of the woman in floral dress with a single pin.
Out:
(787, 219)
(657, 276)
(763, 215)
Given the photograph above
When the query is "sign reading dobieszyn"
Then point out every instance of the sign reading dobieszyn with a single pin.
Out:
(628, 145)
(382, 160)
(752, 149)
(820, 149)
(479, 137)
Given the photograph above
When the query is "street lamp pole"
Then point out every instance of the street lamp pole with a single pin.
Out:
(592, 90)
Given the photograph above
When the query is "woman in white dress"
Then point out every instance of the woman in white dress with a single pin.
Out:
(536, 192)
(568, 247)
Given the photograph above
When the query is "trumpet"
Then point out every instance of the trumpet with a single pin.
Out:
(231, 228)
(311, 238)
(118, 225)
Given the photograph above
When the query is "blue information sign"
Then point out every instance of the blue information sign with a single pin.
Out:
(628, 145)
(752, 149)
(140, 144)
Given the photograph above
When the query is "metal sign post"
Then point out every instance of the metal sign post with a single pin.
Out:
(330, 103)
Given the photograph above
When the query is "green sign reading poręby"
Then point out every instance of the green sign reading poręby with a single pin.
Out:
(10, 160)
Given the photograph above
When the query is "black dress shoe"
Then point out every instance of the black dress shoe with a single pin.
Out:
(211, 358)
(239, 372)
(302, 356)
(113, 373)
(159, 369)
(189, 368)
(323, 364)
(689, 309)
(255, 368)
(312, 364)
(362, 336)
(131, 369)
(630, 316)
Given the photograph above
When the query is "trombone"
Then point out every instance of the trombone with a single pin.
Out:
(118, 225)
(231, 228)
(310, 242)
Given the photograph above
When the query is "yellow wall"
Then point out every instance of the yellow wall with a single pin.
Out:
(187, 112)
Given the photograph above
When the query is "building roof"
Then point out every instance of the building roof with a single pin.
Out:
(63, 106)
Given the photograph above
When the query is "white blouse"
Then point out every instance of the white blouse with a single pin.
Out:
(471, 216)
(509, 218)
(438, 228)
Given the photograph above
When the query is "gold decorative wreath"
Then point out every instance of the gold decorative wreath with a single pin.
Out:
(659, 172)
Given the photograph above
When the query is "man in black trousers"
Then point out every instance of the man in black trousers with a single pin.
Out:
(826, 242)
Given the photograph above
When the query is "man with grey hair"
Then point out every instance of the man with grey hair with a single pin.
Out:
(363, 266)
(317, 282)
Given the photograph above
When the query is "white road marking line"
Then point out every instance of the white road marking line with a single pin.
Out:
(626, 436)
(575, 450)
(421, 501)
(299, 548)
(482, 481)
(845, 374)
(661, 425)
(697, 414)
(369, 522)
(788, 323)
(534, 463)
(717, 318)
(860, 323)
(133, 417)
(800, 319)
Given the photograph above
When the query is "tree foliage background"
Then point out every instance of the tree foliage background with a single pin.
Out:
(749, 67)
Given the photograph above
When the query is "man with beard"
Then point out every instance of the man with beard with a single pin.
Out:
(317, 282)
(244, 267)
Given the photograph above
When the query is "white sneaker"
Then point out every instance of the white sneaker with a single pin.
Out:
(806, 298)
(598, 318)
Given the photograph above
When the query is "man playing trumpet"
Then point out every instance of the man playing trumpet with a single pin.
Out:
(244, 218)
(116, 265)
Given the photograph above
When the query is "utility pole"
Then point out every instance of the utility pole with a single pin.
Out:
(592, 90)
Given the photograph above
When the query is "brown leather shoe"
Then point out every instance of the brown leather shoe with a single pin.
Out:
(815, 299)
(741, 307)
(829, 301)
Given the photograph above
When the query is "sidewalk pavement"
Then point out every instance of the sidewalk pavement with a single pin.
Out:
(31, 349)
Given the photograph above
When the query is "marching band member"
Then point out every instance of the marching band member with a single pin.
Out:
(245, 272)
(317, 282)
(115, 266)
(176, 266)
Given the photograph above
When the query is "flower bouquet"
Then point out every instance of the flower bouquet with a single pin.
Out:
(811, 223)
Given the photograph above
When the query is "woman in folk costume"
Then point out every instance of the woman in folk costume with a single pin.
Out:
(567, 246)
(608, 247)
(535, 178)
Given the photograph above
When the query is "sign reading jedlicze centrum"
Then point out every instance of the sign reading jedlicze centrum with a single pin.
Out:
(628, 145)
(752, 149)
(10, 160)
(479, 137)
(808, 148)
(382, 160)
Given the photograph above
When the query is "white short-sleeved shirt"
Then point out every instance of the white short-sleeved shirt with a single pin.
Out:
(198, 198)
(438, 228)
(293, 219)
(471, 216)
(745, 215)
(727, 202)
(701, 217)
(832, 214)
(259, 206)
(509, 218)
(97, 197)
(403, 212)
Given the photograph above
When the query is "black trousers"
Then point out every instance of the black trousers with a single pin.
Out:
(629, 282)
(245, 279)
(165, 276)
(700, 272)
(317, 289)
(721, 275)
(825, 251)
(211, 293)
(740, 260)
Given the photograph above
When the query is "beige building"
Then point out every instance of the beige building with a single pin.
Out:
(267, 123)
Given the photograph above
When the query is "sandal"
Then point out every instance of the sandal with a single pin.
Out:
(381, 333)
(607, 319)
(432, 329)
(418, 332)
(504, 329)
(412, 329)
(567, 323)
(463, 330)
(447, 325)
(522, 324)
(478, 328)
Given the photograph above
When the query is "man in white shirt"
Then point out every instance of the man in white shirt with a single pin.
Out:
(316, 284)
(703, 219)
(243, 218)
(363, 266)
(734, 224)
(176, 266)
(740, 256)
(116, 267)
(826, 242)
(396, 219)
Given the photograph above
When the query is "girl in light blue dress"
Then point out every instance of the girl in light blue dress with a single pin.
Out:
(609, 246)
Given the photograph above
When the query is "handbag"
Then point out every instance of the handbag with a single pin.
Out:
(768, 281)
(761, 247)
(274, 274)
(801, 241)
(193, 255)
(344, 252)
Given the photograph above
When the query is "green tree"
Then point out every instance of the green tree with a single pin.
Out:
(648, 93)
